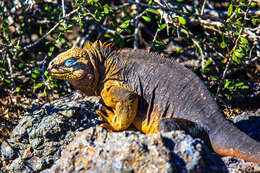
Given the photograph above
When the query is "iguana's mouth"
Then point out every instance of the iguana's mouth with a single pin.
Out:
(75, 75)
(58, 74)
(64, 76)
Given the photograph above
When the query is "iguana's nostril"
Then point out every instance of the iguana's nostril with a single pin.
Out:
(51, 65)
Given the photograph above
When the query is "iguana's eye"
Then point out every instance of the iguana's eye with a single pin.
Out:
(70, 62)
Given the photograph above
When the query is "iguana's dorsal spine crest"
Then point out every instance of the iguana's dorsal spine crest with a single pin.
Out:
(99, 50)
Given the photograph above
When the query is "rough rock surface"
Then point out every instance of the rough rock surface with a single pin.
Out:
(69, 126)
(38, 139)
(96, 150)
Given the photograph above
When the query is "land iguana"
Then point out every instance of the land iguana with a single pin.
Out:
(153, 93)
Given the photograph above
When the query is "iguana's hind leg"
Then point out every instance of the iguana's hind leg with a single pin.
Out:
(168, 124)
(120, 107)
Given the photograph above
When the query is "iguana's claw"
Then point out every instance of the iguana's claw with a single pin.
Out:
(105, 113)
(107, 126)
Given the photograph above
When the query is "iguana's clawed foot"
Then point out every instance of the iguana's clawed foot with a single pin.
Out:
(105, 113)
(107, 126)
(105, 116)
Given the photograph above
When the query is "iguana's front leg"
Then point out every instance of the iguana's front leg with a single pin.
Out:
(120, 107)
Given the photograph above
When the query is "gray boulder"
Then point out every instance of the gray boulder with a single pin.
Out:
(66, 136)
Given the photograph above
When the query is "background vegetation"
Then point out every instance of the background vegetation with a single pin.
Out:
(219, 40)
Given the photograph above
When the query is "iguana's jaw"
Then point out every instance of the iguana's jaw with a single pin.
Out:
(66, 73)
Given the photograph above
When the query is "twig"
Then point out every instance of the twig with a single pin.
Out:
(51, 30)
(136, 28)
(122, 6)
(203, 61)
(107, 29)
(155, 36)
(136, 17)
(63, 12)
(203, 7)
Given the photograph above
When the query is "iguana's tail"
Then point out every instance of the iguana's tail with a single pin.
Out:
(226, 139)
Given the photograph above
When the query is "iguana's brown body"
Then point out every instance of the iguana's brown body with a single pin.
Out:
(141, 88)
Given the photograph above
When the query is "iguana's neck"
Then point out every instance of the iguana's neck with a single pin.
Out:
(105, 64)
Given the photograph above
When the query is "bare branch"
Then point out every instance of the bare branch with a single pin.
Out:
(50, 31)
(136, 28)
(203, 7)
(63, 12)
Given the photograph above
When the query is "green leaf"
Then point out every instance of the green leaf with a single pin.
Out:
(57, 45)
(208, 63)
(239, 84)
(20, 65)
(20, 54)
(45, 91)
(162, 26)
(51, 48)
(244, 87)
(238, 53)
(150, 2)
(36, 70)
(228, 96)
(234, 58)
(214, 39)
(49, 53)
(159, 43)
(214, 78)
(227, 83)
(146, 18)
(2, 69)
(107, 8)
(129, 31)
(38, 85)
(223, 44)
(237, 11)
(46, 73)
(40, 30)
(179, 49)
(253, 4)
(182, 20)
(243, 40)
(230, 9)
(125, 23)
(8, 81)
(17, 47)
(238, 21)
(107, 36)
(34, 76)
(91, 1)
(17, 89)
(153, 11)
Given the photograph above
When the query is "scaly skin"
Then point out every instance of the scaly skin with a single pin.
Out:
(142, 88)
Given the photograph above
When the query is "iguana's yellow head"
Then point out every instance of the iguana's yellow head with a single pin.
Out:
(70, 65)
(79, 66)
